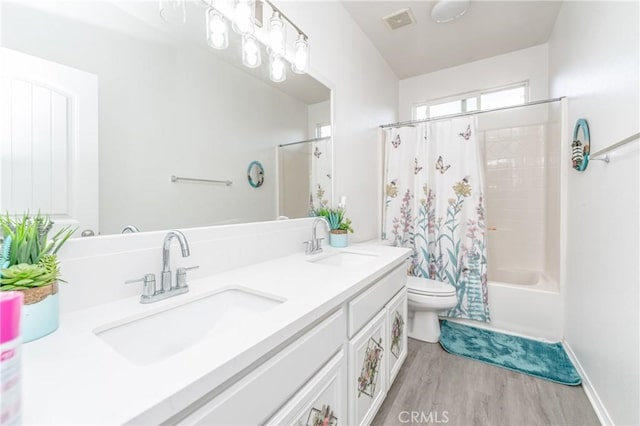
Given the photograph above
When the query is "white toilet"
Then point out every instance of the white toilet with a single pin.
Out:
(426, 299)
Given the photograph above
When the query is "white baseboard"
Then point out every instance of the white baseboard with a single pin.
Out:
(596, 402)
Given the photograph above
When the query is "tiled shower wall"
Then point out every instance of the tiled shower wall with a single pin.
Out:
(516, 197)
(552, 168)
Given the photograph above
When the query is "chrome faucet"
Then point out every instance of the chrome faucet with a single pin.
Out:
(130, 228)
(166, 252)
(151, 293)
(315, 244)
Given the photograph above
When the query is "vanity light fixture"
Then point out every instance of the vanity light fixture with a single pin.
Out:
(217, 30)
(273, 35)
(277, 34)
(277, 68)
(301, 55)
(251, 55)
(243, 16)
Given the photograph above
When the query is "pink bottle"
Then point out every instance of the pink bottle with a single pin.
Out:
(10, 393)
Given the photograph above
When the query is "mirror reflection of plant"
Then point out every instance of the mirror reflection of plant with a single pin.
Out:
(336, 218)
(30, 255)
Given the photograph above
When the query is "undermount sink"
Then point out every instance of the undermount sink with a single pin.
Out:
(159, 335)
(345, 258)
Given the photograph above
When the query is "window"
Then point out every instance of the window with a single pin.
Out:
(447, 108)
(420, 112)
(479, 101)
(503, 98)
(323, 130)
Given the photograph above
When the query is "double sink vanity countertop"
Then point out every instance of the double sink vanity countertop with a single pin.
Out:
(91, 371)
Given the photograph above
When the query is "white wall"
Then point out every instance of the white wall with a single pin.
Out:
(164, 109)
(522, 65)
(594, 60)
(365, 96)
(319, 113)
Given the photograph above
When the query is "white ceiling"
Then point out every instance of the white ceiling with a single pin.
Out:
(487, 29)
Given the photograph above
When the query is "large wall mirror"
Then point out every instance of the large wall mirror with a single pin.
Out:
(103, 102)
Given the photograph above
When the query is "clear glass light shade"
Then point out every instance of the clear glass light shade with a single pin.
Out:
(173, 11)
(301, 55)
(251, 55)
(277, 34)
(243, 16)
(277, 68)
(217, 30)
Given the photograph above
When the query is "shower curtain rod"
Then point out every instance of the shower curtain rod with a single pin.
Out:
(462, 114)
(305, 141)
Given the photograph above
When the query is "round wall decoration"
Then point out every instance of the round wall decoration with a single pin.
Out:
(255, 174)
(581, 145)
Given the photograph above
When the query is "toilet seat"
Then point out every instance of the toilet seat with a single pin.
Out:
(426, 287)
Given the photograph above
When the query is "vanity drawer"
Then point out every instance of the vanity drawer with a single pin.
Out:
(257, 396)
(323, 398)
(369, 303)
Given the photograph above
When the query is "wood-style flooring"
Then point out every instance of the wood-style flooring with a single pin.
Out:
(435, 387)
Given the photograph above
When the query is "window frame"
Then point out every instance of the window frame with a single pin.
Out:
(319, 127)
(463, 97)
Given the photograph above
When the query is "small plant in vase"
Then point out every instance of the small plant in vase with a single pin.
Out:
(29, 263)
(340, 225)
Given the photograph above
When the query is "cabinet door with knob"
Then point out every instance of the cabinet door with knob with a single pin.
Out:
(367, 370)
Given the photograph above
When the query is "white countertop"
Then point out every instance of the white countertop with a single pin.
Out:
(74, 377)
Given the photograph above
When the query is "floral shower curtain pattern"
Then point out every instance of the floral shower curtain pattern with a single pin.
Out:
(434, 205)
(320, 174)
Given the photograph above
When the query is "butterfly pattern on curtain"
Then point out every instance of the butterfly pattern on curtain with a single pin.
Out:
(320, 179)
(434, 205)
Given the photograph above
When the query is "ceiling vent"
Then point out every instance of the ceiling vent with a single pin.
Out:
(399, 19)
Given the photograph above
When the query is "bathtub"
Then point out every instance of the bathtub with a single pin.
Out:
(523, 302)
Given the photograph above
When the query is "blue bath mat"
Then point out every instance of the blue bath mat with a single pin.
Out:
(546, 361)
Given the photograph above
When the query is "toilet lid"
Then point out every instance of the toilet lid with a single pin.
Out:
(427, 287)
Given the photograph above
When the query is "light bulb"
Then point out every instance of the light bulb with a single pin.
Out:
(243, 17)
(217, 31)
(250, 51)
(277, 34)
(217, 24)
(217, 40)
(277, 69)
(301, 55)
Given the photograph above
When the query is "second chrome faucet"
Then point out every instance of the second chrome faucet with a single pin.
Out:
(151, 292)
(314, 245)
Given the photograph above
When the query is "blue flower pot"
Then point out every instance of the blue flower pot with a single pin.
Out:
(40, 318)
(338, 240)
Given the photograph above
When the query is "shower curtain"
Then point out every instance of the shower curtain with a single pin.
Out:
(320, 175)
(434, 205)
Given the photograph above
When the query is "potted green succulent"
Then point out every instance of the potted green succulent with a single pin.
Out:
(29, 263)
(340, 225)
